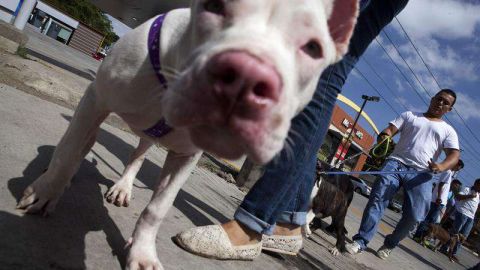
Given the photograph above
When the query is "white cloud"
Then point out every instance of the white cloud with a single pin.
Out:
(467, 106)
(447, 19)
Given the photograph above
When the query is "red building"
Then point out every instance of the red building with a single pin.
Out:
(340, 127)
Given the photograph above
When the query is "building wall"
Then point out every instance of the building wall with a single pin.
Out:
(86, 40)
(7, 8)
(365, 142)
(62, 17)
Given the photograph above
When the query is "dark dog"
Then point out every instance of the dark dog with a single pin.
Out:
(436, 232)
(331, 198)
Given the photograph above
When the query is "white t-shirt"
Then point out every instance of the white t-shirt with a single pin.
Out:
(444, 177)
(467, 207)
(422, 139)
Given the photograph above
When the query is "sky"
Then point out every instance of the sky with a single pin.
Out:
(118, 27)
(446, 35)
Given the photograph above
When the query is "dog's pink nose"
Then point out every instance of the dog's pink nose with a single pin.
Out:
(246, 82)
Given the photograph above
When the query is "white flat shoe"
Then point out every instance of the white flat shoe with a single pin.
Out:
(212, 242)
(289, 245)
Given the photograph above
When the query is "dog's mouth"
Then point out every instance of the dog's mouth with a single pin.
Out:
(235, 140)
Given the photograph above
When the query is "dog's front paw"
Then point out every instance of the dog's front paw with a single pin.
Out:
(120, 194)
(334, 251)
(306, 231)
(142, 256)
(41, 196)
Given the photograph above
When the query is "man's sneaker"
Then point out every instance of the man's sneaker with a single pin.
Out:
(383, 252)
(353, 248)
(453, 258)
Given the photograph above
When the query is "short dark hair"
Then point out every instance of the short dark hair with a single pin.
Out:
(449, 92)
(456, 181)
(460, 164)
(477, 181)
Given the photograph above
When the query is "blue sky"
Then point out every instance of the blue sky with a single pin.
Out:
(118, 27)
(446, 34)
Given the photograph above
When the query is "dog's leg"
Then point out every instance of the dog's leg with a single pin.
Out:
(121, 193)
(176, 170)
(306, 228)
(339, 224)
(44, 193)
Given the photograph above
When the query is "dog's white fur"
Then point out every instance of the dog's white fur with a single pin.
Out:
(273, 33)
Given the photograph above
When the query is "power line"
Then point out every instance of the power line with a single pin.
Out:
(419, 95)
(376, 90)
(430, 72)
(433, 76)
(384, 82)
(401, 72)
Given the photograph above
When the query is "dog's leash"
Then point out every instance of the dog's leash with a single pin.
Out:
(374, 172)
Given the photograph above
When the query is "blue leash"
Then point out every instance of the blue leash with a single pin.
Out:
(375, 172)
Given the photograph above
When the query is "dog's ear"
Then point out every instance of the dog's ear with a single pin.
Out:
(342, 20)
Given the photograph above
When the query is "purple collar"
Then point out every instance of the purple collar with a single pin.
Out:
(160, 128)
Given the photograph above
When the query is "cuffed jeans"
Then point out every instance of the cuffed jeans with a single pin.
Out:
(282, 194)
(417, 197)
(433, 216)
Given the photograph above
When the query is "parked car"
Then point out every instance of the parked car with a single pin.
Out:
(360, 186)
(395, 206)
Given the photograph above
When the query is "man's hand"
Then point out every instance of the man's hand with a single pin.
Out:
(435, 167)
(438, 201)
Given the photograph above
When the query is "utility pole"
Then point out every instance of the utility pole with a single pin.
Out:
(345, 144)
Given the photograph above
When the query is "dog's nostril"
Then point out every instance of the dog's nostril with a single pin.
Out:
(228, 76)
(261, 90)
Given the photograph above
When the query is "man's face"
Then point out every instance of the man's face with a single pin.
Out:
(457, 167)
(440, 104)
(455, 187)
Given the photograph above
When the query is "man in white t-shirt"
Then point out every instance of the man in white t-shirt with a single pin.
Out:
(423, 136)
(466, 204)
(439, 199)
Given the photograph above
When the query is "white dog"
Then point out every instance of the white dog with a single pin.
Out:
(226, 76)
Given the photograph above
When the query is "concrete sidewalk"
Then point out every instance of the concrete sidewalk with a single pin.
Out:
(87, 232)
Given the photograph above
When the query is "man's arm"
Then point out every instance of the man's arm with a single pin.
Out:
(390, 131)
(451, 159)
(439, 193)
(462, 197)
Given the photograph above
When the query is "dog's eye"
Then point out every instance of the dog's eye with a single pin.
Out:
(215, 6)
(313, 49)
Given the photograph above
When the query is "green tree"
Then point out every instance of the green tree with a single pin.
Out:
(89, 14)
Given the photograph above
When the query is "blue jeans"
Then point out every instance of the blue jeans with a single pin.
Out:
(463, 225)
(433, 216)
(282, 194)
(417, 197)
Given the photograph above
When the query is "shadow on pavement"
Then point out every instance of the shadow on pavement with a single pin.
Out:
(90, 75)
(58, 242)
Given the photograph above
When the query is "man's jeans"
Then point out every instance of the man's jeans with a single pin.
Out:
(463, 225)
(416, 201)
(433, 216)
(282, 194)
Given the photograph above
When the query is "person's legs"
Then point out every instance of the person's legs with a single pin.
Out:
(465, 231)
(382, 192)
(417, 197)
(287, 182)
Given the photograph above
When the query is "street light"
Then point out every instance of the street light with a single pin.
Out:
(365, 99)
